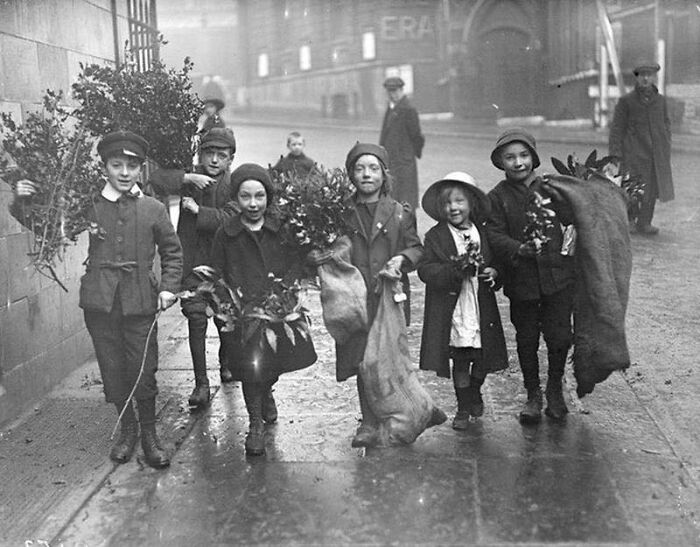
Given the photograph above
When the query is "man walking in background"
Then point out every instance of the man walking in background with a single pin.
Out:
(401, 136)
(640, 136)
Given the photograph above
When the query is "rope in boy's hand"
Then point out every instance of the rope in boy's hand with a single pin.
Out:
(138, 378)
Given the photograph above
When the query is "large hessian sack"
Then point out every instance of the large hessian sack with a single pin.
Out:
(402, 405)
(343, 293)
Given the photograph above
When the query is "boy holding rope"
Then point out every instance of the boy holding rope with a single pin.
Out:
(120, 294)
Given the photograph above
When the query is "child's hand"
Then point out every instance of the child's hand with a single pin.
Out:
(529, 249)
(489, 275)
(198, 181)
(166, 299)
(189, 204)
(318, 257)
(25, 188)
(392, 268)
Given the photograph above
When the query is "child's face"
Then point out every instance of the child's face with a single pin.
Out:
(123, 172)
(296, 146)
(457, 207)
(368, 176)
(215, 161)
(517, 161)
(252, 199)
(210, 109)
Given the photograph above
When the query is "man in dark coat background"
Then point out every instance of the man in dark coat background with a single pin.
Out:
(402, 137)
(640, 135)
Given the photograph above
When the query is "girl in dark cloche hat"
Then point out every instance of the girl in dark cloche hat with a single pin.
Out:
(461, 321)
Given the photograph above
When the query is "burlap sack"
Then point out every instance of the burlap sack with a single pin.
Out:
(343, 293)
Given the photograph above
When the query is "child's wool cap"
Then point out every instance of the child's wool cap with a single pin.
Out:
(362, 148)
(251, 171)
(122, 143)
(430, 200)
(219, 137)
(515, 134)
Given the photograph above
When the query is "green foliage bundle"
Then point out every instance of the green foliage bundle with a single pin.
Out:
(157, 104)
(55, 153)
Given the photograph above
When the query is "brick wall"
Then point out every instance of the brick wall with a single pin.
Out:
(42, 335)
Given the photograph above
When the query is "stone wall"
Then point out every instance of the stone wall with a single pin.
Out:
(42, 335)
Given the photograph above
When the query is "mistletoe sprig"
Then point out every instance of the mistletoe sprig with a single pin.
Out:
(280, 304)
(50, 150)
(470, 262)
(606, 168)
(312, 207)
(539, 221)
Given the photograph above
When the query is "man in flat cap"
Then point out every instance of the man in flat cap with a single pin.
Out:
(402, 137)
(120, 294)
(640, 136)
(205, 203)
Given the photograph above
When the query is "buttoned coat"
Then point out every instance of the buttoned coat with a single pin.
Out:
(525, 278)
(442, 287)
(640, 134)
(402, 137)
(121, 256)
(393, 233)
(196, 232)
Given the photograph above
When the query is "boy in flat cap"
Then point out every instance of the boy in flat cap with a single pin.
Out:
(640, 136)
(538, 281)
(205, 203)
(120, 294)
(402, 138)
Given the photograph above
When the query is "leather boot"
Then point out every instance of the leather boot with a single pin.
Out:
(200, 394)
(153, 452)
(461, 420)
(124, 446)
(556, 406)
(475, 405)
(532, 410)
(253, 394)
(269, 409)
(366, 435)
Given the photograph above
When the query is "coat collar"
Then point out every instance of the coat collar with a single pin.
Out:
(386, 208)
(233, 226)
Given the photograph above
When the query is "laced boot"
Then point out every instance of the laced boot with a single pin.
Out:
(124, 446)
(201, 393)
(556, 406)
(366, 435)
(153, 452)
(532, 410)
(269, 409)
(255, 438)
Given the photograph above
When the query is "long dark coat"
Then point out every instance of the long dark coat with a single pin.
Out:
(245, 259)
(443, 285)
(393, 232)
(402, 137)
(196, 232)
(525, 278)
(640, 134)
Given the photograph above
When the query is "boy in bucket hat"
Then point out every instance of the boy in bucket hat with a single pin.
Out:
(461, 318)
(119, 293)
(537, 280)
(205, 203)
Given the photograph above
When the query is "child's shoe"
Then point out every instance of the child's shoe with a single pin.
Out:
(269, 409)
(532, 410)
(556, 406)
(476, 403)
(365, 436)
(461, 420)
(200, 394)
(255, 439)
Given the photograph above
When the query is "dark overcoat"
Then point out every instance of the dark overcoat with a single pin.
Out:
(442, 287)
(246, 259)
(393, 233)
(300, 165)
(640, 134)
(525, 278)
(196, 232)
(402, 137)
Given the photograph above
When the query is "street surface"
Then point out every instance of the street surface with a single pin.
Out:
(623, 470)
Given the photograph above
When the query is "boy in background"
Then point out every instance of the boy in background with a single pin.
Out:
(295, 161)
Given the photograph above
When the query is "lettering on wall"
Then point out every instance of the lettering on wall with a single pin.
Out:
(394, 28)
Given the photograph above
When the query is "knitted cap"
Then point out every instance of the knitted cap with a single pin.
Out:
(251, 171)
(511, 135)
(362, 148)
(123, 143)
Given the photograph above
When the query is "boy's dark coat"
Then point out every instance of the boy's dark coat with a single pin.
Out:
(524, 278)
(443, 285)
(123, 258)
(402, 137)
(196, 232)
(301, 164)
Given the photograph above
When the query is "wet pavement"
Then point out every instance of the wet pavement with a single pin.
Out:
(623, 470)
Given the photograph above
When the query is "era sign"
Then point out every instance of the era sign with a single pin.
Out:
(406, 27)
